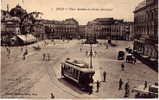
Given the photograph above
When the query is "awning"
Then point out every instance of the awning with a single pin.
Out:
(153, 59)
(29, 38)
(144, 56)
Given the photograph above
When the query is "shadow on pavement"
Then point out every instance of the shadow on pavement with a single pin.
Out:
(150, 64)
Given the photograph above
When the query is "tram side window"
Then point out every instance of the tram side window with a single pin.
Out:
(76, 74)
(69, 69)
(63, 66)
(72, 70)
(66, 68)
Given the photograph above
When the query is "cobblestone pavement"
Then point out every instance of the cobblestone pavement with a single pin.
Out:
(34, 78)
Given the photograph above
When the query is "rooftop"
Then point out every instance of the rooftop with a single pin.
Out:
(140, 5)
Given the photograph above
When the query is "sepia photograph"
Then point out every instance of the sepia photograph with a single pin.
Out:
(79, 49)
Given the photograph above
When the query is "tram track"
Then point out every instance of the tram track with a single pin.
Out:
(10, 86)
(51, 72)
(26, 84)
(18, 75)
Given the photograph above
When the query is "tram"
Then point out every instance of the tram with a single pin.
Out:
(79, 72)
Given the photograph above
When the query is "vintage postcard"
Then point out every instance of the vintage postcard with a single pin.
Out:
(79, 49)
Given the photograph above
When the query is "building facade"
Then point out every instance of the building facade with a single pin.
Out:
(146, 29)
(117, 30)
(109, 28)
(82, 31)
(100, 27)
(66, 29)
(9, 27)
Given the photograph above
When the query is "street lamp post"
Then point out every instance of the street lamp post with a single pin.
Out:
(91, 54)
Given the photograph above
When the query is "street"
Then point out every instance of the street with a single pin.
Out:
(35, 78)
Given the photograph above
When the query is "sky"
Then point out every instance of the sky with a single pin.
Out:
(81, 10)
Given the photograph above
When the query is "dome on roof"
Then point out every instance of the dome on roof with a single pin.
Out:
(18, 11)
(70, 21)
(104, 21)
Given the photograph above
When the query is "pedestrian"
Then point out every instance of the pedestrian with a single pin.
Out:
(44, 55)
(80, 49)
(122, 67)
(48, 57)
(134, 60)
(21, 49)
(98, 85)
(106, 46)
(104, 76)
(52, 96)
(120, 84)
(127, 93)
(23, 56)
(95, 53)
(126, 86)
(7, 49)
(90, 89)
(127, 89)
(8, 52)
(26, 52)
(86, 52)
(145, 85)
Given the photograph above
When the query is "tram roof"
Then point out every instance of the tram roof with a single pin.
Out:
(79, 65)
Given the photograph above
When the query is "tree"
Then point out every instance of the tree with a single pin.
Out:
(28, 21)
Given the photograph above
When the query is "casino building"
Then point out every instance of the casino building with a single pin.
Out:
(110, 28)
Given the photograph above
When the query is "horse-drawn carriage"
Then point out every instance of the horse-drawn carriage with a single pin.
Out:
(130, 58)
(121, 55)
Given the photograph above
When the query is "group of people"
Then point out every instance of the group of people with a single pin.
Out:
(46, 57)
(89, 53)
(104, 80)
(121, 83)
(98, 82)
(104, 44)
(126, 87)
(24, 52)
